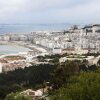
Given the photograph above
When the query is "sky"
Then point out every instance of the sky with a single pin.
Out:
(49, 11)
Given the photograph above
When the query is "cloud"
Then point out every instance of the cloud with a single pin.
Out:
(49, 11)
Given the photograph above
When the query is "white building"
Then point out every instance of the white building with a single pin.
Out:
(96, 28)
(29, 58)
(38, 93)
(23, 38)
(6, 38)
(0, 67)
(57, 50)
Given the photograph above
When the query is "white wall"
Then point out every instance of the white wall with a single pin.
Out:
(0, 68)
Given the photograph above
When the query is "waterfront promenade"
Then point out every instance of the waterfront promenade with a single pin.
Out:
(31, 47)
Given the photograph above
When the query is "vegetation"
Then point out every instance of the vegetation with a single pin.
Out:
(11, 58)
(85, 86)
(21, 79)
(91, 54)
(63, 73)
(71, 80)
(68, 69)
(99, 62)
(75, 80)
(17, 96)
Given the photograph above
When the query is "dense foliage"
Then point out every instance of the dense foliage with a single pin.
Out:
(75, 80)
(63, 73)
(66, 70)
(21, 79)
(17, 96)
(68, 80)
(86, 86)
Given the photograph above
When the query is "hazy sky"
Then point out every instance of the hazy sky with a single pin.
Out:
(49, 11)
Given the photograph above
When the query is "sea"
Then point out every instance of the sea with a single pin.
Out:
(12, 49)
(25, 28)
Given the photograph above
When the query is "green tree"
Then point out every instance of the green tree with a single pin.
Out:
(86, 86)
(63, 72)
(22, 97)
(16, 96)
(56, 60)
(98, 62)
(10, 96)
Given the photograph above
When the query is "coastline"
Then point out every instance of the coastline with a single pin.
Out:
(31, 47)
